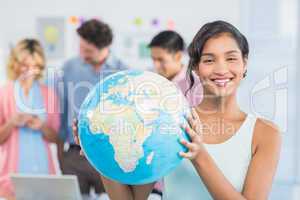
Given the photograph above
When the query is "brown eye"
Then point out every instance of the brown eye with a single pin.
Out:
(232, 59)
(207, 61)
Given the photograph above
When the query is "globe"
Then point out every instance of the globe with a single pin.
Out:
(129, 126)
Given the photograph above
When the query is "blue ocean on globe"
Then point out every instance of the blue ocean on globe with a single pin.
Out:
(129, 126)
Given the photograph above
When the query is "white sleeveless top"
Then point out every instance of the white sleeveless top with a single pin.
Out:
(232, 157)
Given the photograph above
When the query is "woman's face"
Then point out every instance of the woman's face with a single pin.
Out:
(221, 66)
(27, 67)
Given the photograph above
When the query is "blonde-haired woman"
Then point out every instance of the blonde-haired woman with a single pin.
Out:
(29, 116)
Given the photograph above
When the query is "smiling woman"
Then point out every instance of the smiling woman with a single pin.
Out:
(27, 56)
(235, 154)
(231, 50)
(231, 154)
(222, 66)
(29, 117)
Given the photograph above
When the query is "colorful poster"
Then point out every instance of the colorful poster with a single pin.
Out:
(51, 34)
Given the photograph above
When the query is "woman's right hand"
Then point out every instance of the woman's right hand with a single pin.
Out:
(20, 119)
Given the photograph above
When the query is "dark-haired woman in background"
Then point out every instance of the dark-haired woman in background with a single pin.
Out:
(232, 154)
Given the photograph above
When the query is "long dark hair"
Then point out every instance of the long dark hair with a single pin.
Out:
(207, 31)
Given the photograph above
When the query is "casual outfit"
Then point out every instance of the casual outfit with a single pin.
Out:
(25, 150)
(232, 157)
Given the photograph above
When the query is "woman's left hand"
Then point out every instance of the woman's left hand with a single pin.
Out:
(35, 123)
(194, 130)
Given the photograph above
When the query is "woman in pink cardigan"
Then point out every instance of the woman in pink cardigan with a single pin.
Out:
(29, 117)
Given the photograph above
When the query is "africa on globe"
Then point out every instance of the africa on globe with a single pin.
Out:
(129, 126)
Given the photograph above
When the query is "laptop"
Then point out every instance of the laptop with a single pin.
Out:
(46, 187)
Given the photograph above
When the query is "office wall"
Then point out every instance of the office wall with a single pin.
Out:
(129, 20)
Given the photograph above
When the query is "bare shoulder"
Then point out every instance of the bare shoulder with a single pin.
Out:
(266, 135)
(266, 128)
